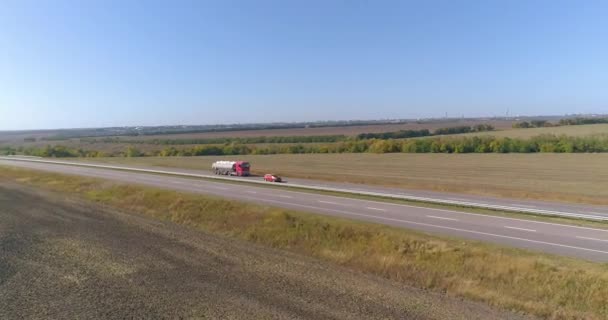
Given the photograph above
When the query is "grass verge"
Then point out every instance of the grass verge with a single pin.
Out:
(543, 285)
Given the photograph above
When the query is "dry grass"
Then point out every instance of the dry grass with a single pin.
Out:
(581, 178)
(544, 285)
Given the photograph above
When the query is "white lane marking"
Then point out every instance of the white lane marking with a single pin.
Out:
(436, 226)
(284, 196)
(215, 187)
(329, 202)
(249, 191)
(521, 229)
(471, 214)
(594, 239)
(442, 218)
(375, 209)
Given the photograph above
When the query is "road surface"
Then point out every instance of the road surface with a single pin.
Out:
(562, 239)
(575, 210)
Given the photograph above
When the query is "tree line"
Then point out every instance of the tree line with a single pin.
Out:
(562, 122)
(475, 144)
(582, 121)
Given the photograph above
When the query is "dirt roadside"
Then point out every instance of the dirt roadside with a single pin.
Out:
(65, 258)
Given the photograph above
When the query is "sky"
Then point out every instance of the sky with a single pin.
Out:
(66, 64)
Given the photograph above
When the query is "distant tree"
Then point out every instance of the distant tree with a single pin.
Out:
(523, 125)
(132, 152)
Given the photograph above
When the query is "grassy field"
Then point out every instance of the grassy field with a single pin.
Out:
(579, 178)
(547, 286)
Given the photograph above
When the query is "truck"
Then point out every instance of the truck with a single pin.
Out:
(231, 168)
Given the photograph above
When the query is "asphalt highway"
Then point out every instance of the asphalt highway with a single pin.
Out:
(584, 209)
(575, 241)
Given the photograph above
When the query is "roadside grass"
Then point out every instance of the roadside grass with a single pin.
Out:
(575, 178)
(543, 285)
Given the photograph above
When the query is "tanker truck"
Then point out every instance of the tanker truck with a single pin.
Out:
(231, 168)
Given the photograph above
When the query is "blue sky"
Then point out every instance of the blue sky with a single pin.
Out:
(114, 63)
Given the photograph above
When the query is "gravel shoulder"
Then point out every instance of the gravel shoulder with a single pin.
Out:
(63, 258)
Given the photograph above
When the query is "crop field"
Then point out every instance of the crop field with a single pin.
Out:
(70, 259)
(17, 138)
(577, 131)
(547, 176)
(348, 131)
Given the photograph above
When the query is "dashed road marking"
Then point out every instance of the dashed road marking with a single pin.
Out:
(521, 229)
(376, 209)
(442, 218)
(443, 227)
(594, 239)
(329, 202)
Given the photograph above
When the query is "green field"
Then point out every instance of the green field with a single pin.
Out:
(579, 178)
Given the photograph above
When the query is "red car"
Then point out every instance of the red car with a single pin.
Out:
(272, 178)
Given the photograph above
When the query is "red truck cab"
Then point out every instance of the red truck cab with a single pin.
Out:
(242, 168)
